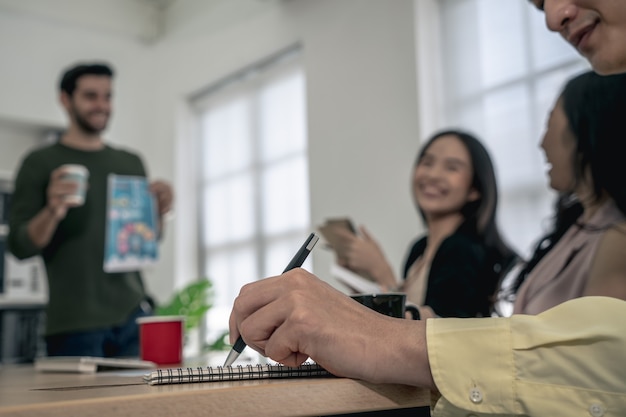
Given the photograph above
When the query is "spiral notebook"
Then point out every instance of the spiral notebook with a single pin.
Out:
(232, 373)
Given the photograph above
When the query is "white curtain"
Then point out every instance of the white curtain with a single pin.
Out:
(254, 189)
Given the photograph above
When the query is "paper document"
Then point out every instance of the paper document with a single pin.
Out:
(131, 227)
(88, 364)
(354, 281)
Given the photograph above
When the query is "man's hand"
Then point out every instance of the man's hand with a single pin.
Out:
(57, 191)
(42, 226)
(295, 316)
(164, 196)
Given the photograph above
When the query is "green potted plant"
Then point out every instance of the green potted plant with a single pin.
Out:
(191, 302)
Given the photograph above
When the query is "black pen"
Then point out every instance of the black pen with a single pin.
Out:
(295, 262)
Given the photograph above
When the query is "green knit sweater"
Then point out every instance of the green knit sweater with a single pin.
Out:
(82, 295)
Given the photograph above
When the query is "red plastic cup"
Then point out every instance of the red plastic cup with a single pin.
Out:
(161, 339)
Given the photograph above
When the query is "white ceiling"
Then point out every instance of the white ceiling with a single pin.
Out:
(144, 20)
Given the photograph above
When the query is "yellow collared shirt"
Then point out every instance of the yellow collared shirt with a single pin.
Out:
(568, 361)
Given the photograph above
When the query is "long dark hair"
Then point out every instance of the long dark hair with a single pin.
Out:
(595, 108)
(479, 215)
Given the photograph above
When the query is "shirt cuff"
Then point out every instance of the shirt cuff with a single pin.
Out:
(471, 361)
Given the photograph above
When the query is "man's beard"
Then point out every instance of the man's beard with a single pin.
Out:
(84, 124)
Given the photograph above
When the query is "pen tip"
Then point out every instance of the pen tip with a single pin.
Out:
(232, 356)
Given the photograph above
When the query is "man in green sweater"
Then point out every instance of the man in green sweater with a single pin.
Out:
(90, 312)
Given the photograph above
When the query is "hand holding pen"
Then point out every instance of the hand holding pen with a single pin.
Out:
(295, 262)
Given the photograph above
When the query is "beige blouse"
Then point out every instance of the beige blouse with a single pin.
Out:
(563, 273)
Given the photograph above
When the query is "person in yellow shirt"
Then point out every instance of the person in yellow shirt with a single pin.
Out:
(566, 361)
(596, 28)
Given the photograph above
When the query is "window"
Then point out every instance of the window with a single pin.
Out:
(500, 73)
(254, 184)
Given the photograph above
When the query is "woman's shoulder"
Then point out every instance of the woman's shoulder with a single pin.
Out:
(469, 248)
(607, 275)
(462, 240)
(460, 249)
(610, 253)
(613, 240)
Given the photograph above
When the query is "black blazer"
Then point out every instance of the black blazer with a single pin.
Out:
(461, 280)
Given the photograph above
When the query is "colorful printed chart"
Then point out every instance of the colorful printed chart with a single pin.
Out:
(131, 227)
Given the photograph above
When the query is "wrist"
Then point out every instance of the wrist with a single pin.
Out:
(406, 354)
(52, 212)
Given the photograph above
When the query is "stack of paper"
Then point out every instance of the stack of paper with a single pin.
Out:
(354, 281)
(88, 364)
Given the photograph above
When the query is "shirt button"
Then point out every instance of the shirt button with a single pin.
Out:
(596, 410)
(476, 395)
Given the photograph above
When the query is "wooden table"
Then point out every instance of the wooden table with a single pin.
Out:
(25, 392)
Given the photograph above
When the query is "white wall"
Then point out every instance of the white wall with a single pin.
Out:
(34, 52)
(15, 139)
(363, 129)
(363, 133)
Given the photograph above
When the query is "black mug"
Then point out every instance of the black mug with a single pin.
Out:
(389, 304)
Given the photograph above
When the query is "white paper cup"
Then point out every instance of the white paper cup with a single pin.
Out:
(79, 175)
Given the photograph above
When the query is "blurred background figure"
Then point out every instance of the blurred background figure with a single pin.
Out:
(90, 312)
(583, 254)
(453, 271)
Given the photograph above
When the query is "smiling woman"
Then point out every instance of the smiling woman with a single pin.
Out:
(559, 146)
(442, 183)
(500, 70)
(454, 270)
(584, 254)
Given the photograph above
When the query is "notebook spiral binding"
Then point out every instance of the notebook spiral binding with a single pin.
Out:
(232, 373)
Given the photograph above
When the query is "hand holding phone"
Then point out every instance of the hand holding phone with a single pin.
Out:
(334, 230)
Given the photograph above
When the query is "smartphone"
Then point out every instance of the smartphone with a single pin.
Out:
(331, 226)
(344, 223)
